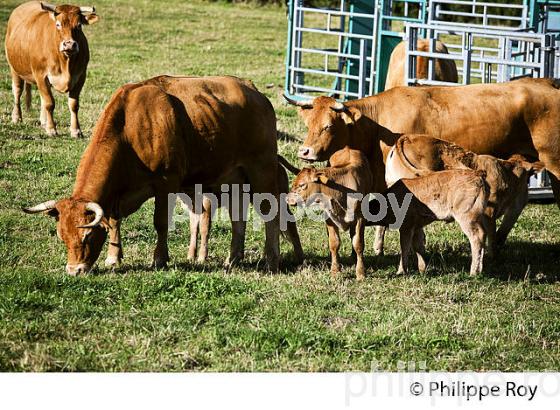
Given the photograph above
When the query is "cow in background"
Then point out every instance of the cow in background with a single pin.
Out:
(45, 45)
(445, 70)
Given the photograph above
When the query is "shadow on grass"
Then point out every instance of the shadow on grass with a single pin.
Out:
(284, 136)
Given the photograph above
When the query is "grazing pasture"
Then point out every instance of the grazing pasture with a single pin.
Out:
(199, 318)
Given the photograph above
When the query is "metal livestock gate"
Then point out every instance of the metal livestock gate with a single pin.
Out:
(344, 51)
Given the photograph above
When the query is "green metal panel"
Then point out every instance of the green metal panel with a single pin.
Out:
(387, 44)
(359, 25)
(388, 38)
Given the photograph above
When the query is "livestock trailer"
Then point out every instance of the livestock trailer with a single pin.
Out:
(344, 50)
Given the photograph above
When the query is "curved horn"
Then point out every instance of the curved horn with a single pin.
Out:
(48, 7)
(93, 207)
(302, 104)
(87, 9)
(42, 207)
(338, 107)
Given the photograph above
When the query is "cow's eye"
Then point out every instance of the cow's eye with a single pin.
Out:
(303, 185)
(58, 25)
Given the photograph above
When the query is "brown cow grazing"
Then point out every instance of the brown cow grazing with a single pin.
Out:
(417, 155)
(436, 198)
(445, 70)
(521, 117)
(330, 188)
(45, 45)
(162, 136)
(200, 223)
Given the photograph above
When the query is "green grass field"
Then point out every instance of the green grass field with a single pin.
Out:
(198, 318)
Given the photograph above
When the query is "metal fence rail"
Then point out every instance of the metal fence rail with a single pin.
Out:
(324, 59)
(480, 14)
(517, 54)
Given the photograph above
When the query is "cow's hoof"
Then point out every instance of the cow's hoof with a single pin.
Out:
(51, 132)
(160, 263)
(201, 259)
(76, 133)
(378, 252)
(16, 118)
(112, 262)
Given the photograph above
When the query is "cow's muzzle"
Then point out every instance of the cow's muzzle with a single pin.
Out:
(79, 269)
(307, 154)
(69, 47)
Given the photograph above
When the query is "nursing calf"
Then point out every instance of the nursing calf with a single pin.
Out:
(460, 195)
(330, 189)
(200, 220)
(418, 155)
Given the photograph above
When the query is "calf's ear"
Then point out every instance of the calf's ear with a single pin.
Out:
(321, 177)
(350, 115)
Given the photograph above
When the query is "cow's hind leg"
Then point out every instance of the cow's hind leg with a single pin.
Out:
(419, 246)
(204, 225)
(262, 177)
(511, 216)
(17, 89)
(555, 182)
(406, 238)
(161, 252)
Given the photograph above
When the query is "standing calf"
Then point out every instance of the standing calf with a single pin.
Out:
(417, 155)
(330, 188)
(459, 195)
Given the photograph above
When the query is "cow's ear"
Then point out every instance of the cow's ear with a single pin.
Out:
(350, 115)
(90, 19)
(50, 8)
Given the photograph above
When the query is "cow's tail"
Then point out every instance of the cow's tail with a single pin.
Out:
(27, 89)
(284, 162)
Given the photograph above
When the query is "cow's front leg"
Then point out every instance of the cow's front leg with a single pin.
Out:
(379, 241)
(74, 106)
(334, 246)
(161, 252)
(114, 253)
(17, 89)
(47, 106)
(358, 246)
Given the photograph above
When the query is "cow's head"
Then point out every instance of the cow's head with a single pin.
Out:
(328, 123)
(81, 226)
(68, 21)
(306, 187)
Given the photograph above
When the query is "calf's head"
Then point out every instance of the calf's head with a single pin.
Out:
(67, 23)
(329, 126)
(81, 226)
(306, 187)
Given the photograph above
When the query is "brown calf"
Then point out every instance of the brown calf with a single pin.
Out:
(460, 195)
(330, 188)
(416, 155)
